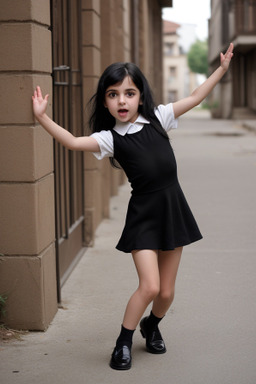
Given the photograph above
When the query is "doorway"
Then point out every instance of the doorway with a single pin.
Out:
(67, 111)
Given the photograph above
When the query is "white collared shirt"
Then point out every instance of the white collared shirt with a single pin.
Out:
(164, 113)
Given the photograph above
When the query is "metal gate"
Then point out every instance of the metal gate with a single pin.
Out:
(67, 111)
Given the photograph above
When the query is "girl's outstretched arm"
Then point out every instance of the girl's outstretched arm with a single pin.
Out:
(60, 134)
(204, 89)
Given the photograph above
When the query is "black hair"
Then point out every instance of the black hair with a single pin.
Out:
(115, 73)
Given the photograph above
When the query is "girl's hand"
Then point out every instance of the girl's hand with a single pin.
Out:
(39, 103)
(200, 93)
(225, 59)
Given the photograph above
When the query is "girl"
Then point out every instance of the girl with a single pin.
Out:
(128, 128)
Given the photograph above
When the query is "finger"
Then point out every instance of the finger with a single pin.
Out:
(39, 92)
(230, 48)
(229, 54)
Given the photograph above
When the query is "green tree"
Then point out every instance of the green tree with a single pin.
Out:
(198, 57)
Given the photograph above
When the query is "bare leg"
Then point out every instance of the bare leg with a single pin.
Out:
(146, 262)
(168, 262)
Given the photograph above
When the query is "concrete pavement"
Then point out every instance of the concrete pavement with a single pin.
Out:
(210, 329)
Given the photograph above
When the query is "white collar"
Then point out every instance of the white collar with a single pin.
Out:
(123, 128)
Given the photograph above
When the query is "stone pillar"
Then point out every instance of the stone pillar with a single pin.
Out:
(91, 59)
(27, 229)
(115, 38)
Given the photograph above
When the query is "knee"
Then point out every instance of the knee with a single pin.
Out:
(167, 295)
(154, 291)
(151, 291)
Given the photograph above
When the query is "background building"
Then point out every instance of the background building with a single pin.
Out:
(234, 21)
(52, 200)
(178, 80)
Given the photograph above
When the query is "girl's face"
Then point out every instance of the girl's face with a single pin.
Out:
(123, 100)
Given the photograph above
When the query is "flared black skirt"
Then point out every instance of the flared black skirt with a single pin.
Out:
(159, 220)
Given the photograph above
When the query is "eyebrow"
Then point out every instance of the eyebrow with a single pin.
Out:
(126, 90)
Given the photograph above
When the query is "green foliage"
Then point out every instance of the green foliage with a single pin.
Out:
(210, 105)
(198, 57)
(3, 299)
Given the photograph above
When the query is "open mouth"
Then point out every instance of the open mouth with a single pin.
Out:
(122, 112)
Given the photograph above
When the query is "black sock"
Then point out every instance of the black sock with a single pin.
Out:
(125, 337)
(153, 321)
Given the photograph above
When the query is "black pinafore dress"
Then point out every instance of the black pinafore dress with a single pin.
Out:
(158, 215)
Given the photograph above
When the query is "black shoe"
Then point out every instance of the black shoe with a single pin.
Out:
(154, 340)
(121, 358)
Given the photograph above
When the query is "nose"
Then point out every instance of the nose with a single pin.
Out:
(121, 100)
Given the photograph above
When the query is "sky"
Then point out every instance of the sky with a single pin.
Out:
(195, 12)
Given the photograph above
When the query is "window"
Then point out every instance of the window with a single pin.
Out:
(172, 96)
(172, 74)
(169, 48)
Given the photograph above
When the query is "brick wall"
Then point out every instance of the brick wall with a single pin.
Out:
(27, 227)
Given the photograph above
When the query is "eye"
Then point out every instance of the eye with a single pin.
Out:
(130, 94)
(112, 95)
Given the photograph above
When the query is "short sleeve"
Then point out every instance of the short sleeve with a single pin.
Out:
(106, 144)
(166, 117)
